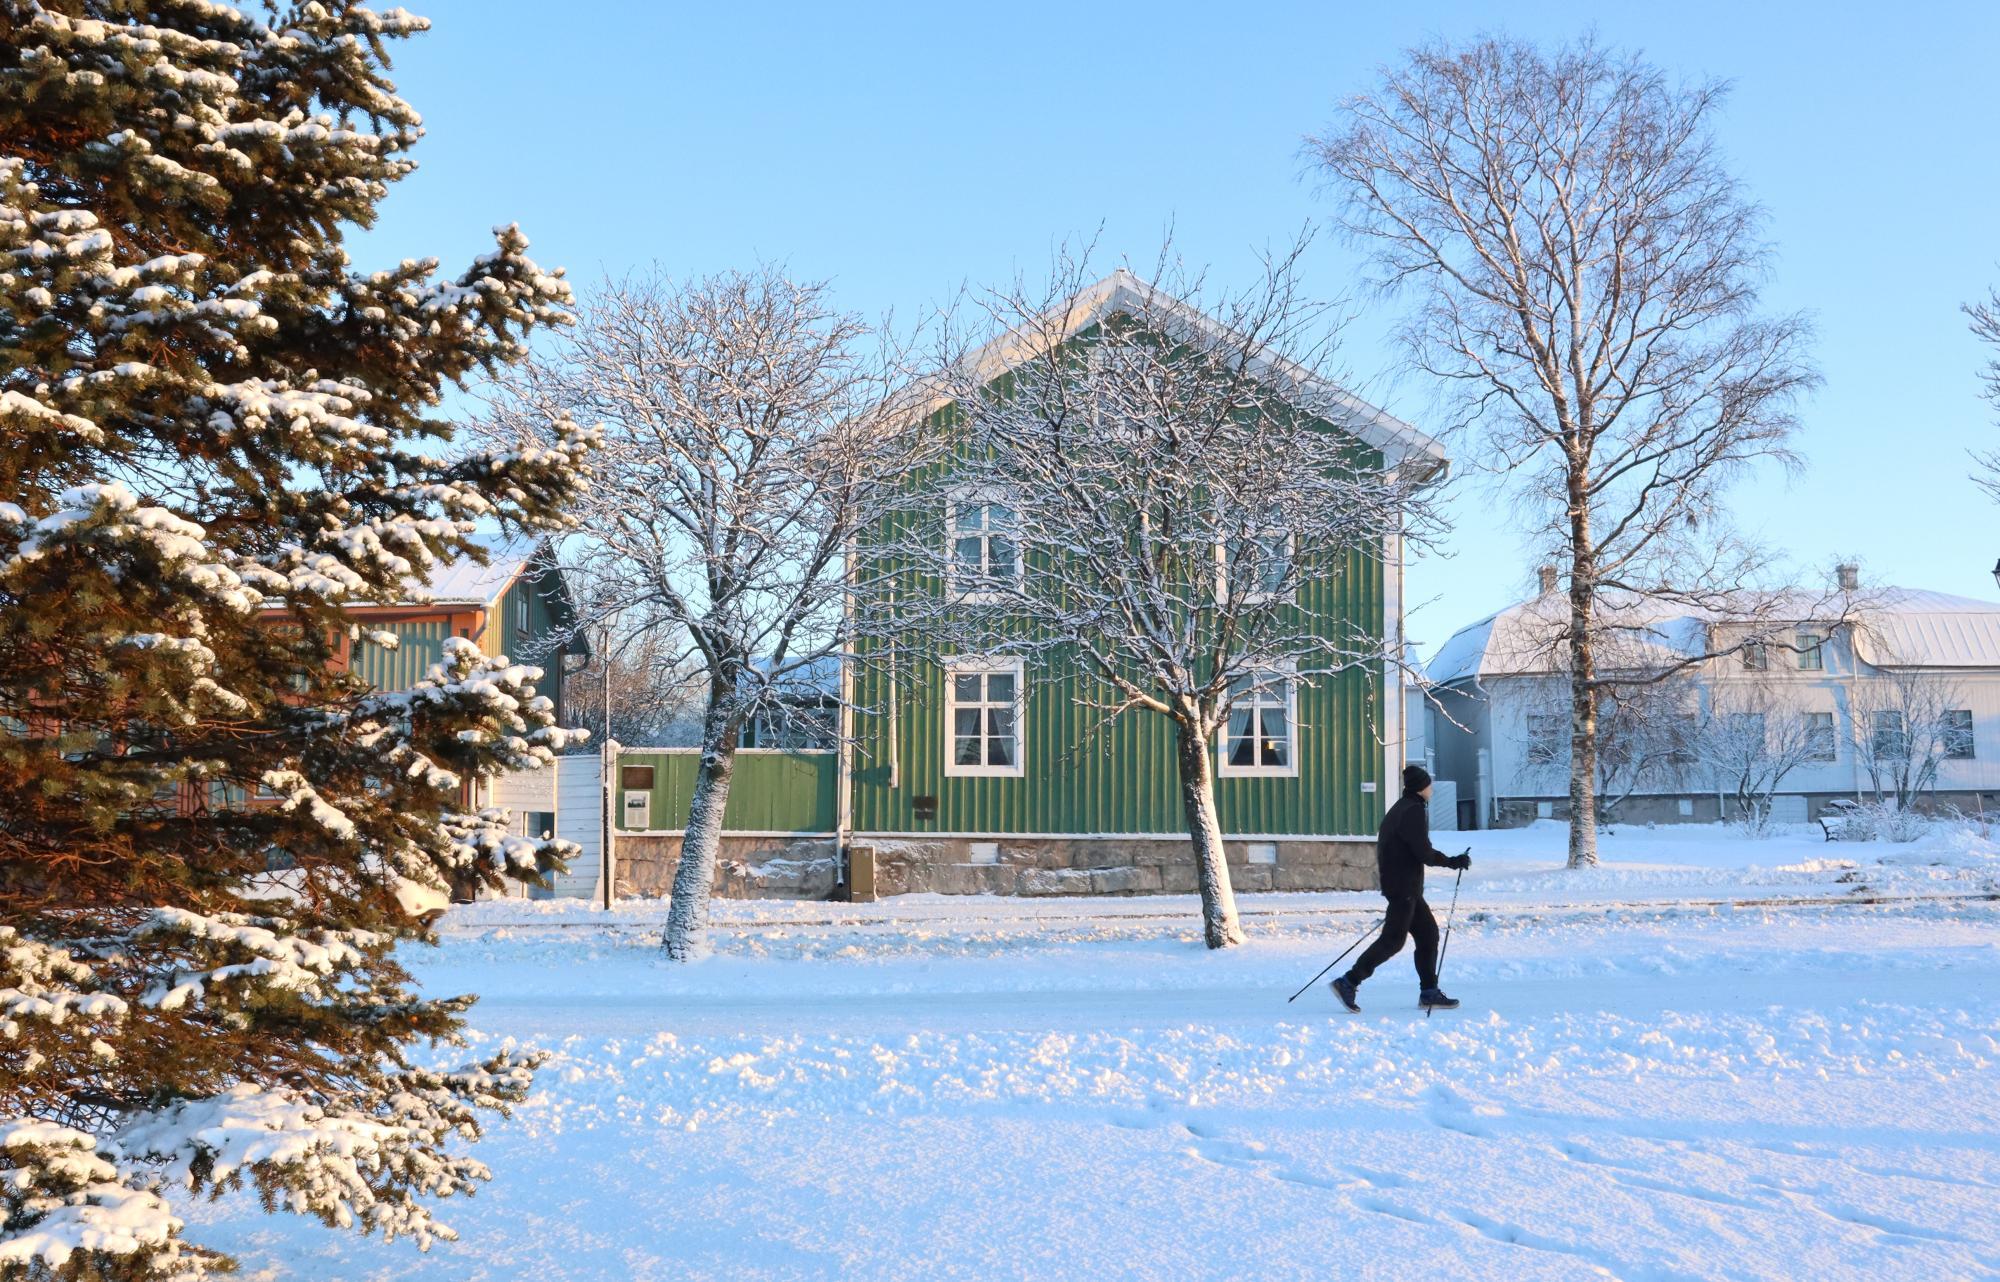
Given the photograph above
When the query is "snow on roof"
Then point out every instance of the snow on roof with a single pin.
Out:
(1894, 627)
(1121, 291)
(1913, 628)
(818, 674)
(464, 581)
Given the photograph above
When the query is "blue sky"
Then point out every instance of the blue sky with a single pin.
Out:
(900, 151)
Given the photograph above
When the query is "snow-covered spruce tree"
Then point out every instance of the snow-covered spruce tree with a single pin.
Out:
(213, 435)
(738, 458)
(1169, 477)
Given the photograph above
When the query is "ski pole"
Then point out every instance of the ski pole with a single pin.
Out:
(1450, 913)
(1335, 962)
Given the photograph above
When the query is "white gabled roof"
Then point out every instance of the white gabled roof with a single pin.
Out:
(1912, 628)
(1893, 627)
(1524, 639)
(1121, 291)
(463, 581)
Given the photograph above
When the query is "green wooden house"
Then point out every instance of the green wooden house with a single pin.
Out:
(963, 774)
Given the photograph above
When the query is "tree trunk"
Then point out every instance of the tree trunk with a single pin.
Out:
(1582, 675)
(1219, 928)
(694, 877)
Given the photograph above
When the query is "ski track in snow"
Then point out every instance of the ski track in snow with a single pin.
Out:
(1647, 1093)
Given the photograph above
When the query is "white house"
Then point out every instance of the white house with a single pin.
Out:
(1887, 693)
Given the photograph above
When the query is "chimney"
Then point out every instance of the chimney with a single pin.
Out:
(1849, 575)
(1548, 574)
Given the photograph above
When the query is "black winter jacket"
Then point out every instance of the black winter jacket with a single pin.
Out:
(1403, 847)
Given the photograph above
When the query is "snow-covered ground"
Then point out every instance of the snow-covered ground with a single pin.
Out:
(1711, 1058)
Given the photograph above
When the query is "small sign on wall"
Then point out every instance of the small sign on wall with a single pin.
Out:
(1369, 786)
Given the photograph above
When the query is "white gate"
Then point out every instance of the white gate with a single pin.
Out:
(1788, 808)
(1444, 805)
(580, 818)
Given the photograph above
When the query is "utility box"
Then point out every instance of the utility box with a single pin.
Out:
(861, 875)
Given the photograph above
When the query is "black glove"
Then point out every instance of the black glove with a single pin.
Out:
(1460, 862)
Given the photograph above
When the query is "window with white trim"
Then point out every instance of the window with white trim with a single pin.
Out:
(984, 530)
(982, 716)
(1820, 736)
(1260, 736)
(1811, 645)
(1548, 738)
(1260, 563)
(1956, 728)
(1121, 387)
(1889, 739)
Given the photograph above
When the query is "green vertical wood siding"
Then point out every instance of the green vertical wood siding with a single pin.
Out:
(1085, 776)
(420, 645)
(769, 792)
(526, 645)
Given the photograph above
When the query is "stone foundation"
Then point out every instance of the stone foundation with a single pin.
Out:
(1106, 866)
(809, 867)
(745, 867)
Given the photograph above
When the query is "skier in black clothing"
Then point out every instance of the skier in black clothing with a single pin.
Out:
(1402, 848)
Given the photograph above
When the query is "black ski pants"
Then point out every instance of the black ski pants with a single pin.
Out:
(1408, 917)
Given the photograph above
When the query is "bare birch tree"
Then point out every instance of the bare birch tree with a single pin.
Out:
(1907, 723)
(1156, 494)
(1754, 734)
(1985, 320)
(738, 457)
(1587, 277)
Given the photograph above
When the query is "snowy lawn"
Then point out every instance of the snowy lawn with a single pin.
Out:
(1711, 1059)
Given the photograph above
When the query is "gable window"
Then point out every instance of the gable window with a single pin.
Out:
(1259, 737)
(1956, 725)
(521, 610)
(1819, 736)
(982, 716)
(985, 551)
(1121, 388)
(1811, 645)
(1547, 732)
(1256, 568)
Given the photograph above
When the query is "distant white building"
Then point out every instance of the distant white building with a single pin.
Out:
(1902, 699)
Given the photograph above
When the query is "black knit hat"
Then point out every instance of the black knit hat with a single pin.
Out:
(1415, 778)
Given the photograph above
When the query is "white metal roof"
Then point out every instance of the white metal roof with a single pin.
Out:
(1894, 627)
(463, 581)
(1912, 628)
(1121, 291)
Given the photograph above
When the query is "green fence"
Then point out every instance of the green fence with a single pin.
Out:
(770, 791)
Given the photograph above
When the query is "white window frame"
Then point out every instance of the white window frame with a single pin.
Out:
(984, 496)
(1288, 674)
(1811, 654)
(956, 667)
(1287, 597)
(1540, 750)
(1949, 738)
(1813, 743)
